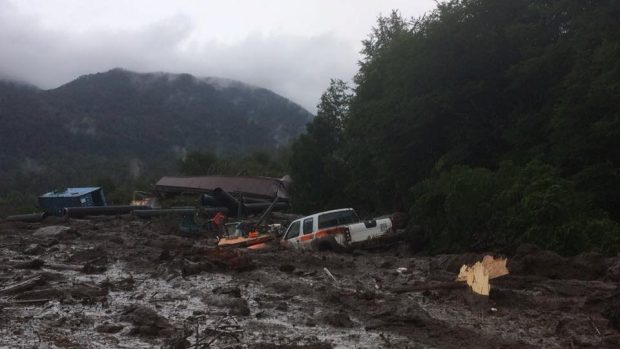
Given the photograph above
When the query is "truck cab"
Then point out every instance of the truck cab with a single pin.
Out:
(334, 229)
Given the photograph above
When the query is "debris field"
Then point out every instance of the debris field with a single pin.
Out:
(106, 282)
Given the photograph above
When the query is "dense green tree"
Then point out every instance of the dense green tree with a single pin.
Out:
(479, 209)
(198, 163)
(317, 166)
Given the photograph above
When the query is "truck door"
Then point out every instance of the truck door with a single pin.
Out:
(290, 237)
(307, 233)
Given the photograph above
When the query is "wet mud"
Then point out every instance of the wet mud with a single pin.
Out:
(119, 282)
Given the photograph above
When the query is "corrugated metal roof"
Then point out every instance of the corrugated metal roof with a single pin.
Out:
(70, 192)
(265, 187)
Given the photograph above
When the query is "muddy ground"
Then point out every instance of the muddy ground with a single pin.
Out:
(119, 282)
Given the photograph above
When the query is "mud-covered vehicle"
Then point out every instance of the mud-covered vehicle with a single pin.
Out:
(334, 230)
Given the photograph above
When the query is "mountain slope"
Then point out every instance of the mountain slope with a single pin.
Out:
(122, 117)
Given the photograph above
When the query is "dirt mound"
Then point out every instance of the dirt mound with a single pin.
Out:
(452, 263)
(531, 260)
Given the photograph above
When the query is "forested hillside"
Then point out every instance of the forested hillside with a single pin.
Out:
(120, 127)
(493, 123)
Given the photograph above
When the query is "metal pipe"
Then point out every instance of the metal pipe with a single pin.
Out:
(257, 208)
(249, 208)
(30, 217)
(213, 210)
(142, 213)
(77, 212)
(267, 212)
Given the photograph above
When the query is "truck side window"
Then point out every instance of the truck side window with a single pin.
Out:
(328, 220)
(293, 230)
(308, 225)
(347, 217)
(334, 219)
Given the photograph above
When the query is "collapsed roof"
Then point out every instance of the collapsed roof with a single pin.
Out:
(250, 186)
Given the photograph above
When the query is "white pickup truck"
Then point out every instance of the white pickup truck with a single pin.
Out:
(332, 230)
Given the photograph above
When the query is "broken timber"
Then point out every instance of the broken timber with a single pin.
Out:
(478, 275)
(23, 286)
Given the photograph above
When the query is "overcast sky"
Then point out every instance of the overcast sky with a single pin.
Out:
(292, 47)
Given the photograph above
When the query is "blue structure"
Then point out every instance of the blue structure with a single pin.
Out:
(54, 202)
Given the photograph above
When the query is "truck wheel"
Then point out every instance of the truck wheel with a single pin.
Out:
(325, 246)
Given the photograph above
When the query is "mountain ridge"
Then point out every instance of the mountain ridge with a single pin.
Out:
(120, 116)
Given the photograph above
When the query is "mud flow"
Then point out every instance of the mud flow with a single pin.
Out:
(124, 283)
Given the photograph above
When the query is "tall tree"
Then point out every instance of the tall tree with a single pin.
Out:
(316, 164)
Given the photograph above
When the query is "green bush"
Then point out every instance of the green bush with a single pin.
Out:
(479, 209)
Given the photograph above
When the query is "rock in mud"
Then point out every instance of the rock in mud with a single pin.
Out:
(59, 232)
(239, 307)
(236, 306)
(146, 321)
(90, 254)
(34, 249)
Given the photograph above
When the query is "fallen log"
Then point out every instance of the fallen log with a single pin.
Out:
(89, 267)
(23, 286)
(57, 266)
(79, 292)
(31, 301)
(80, 212)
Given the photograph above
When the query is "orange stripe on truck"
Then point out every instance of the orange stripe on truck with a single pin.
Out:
(321, 233)
(306, 237)
(330, 231)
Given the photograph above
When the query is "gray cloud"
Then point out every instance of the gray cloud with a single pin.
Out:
(297, 67)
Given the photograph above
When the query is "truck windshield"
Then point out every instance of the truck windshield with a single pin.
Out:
(293, 231)
(334, 219)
